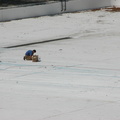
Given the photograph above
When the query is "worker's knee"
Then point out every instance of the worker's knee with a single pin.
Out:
(28, 57)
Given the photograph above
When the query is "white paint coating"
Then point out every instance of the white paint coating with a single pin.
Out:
(78, 78)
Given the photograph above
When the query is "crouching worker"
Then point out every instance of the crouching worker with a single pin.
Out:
(29, 54)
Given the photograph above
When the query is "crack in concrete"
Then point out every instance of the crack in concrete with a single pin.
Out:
(39, 42)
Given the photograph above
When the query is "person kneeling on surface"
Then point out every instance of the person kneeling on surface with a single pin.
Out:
(29, 54)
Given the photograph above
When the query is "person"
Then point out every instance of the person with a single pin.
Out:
(29, 54)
